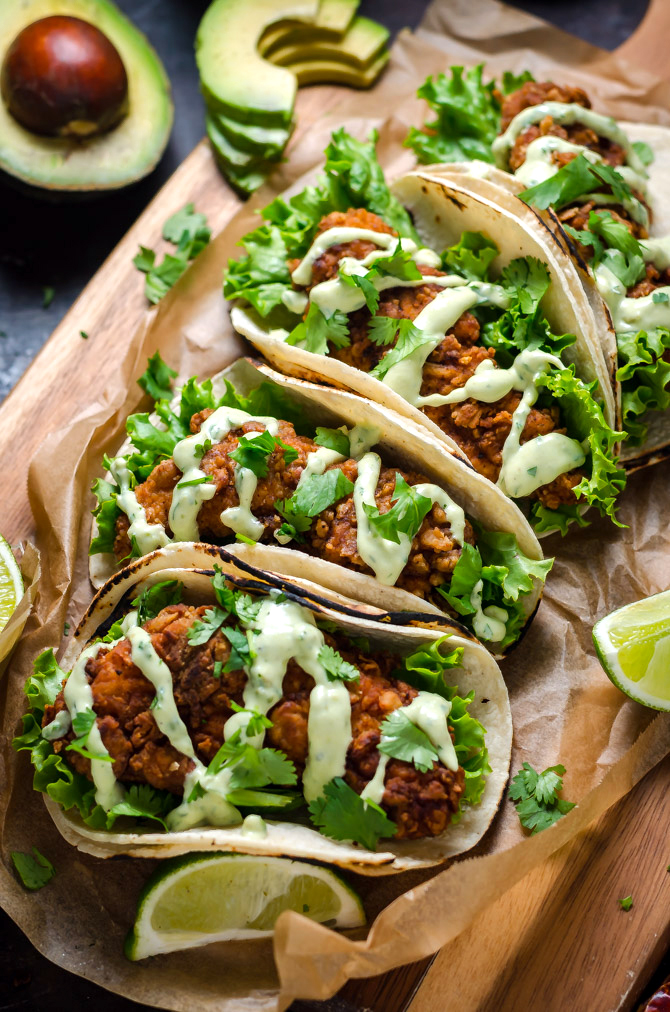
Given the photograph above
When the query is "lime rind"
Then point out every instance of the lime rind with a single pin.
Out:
(633, 646)
(11, 583)
(201, 898)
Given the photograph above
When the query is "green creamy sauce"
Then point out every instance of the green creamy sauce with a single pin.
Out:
(565, 113)
(186, 501)
(295, 302)
(657, 251)
(336, 294)
(302, 275)
(488, 623)
(254, 825)
(149, 537)
(386, 558)
(631, 315)
(78, 697)
(434, 321)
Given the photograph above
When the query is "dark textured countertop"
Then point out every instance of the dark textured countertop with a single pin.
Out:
(62, 245)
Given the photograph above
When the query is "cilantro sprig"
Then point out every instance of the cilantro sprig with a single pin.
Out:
(253, 450)
(188, 231)
(536, 797)
(337, 669)
(401, 739)
(405, 516)
(314, 495)
(342, 814)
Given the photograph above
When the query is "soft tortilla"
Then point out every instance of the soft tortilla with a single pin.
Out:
(401, 444)
(192, 564)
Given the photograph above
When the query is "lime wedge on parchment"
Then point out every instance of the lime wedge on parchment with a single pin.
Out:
(633, 645)
(203, 898)
(11, 583)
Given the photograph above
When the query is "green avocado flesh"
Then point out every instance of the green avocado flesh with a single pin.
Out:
(264, 141)
(228, 153)
(107, 161)
(234, 77)
(332, 20)
(358, 47)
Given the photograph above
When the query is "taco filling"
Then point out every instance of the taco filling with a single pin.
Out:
(215, 469)
(200, 716)
(467, 346)
(582, 165)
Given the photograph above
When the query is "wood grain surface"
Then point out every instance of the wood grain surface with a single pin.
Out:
(557, 941)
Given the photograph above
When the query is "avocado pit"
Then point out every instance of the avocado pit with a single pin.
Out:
(62, 77)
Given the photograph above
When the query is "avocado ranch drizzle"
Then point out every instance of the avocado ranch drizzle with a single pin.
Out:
(526, 466)
(646, 313)
(282, 630)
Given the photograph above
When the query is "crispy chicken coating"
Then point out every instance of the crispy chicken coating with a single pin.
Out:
(479, 429)
(534, 93)
(332, 535)
(420, 803)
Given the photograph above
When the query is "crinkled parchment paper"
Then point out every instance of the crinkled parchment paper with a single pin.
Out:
(565, 709)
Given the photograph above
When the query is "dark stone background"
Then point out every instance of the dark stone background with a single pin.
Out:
(63, 245)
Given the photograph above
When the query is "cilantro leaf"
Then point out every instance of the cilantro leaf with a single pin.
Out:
(156, 380)
(203, 629)
(313, 496)
(644, 152)
(409, 339)
(577, 178)
(253, 450)
(141, 802)
(34, 869)
(405, 515)
(626, 903)
(341, 814)
(245, 798)
(83, 722)
(257, 722)
(362, 281)
(613, 245)
(317, 329)
(399, 264)
(239, 649)
(336, 667)
(382, 330)
(401, 739)
(334, 439)
(190, 234)
(252, 767)
(536, 797)
(153, 599)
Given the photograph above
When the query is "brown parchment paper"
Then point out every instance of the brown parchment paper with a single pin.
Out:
(564, 707)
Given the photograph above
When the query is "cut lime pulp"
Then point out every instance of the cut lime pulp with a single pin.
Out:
(633, 645)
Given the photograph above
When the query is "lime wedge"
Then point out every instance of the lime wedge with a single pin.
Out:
(202, 898)
(633, 645)
(11, 583)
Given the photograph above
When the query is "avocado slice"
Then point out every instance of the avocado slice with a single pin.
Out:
(229, 154)
(338, 72)
(359, 46)
(332, 20)
(105, 161)
(257, 140)
(234, 77)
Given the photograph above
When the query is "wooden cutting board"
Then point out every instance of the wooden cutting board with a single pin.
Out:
(557, 941)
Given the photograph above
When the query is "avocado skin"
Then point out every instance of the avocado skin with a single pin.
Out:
(59, 168)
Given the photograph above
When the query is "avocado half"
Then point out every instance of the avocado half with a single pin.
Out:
(106, 161)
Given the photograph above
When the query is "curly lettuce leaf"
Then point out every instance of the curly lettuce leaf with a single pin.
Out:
(472, 256)
(352, 178)
(644, 375)
(584, 420)
(467, 115)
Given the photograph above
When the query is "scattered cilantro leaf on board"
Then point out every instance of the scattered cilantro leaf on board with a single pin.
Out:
(188, 231)
(626, 903)
(536, 797)
(33, 869)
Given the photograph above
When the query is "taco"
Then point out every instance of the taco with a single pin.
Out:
(259, 459)
(208, 705)
(602, 184)
(444, 306)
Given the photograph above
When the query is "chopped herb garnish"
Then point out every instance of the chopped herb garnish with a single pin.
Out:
(313, 496)
(253, 450)
(66, 629)
(626, 903)
(244, 539)
(205, 480)
(47, 296)
(401, 739)
(218, 668)
(336, 667)
(536, 797)
(333, 439)
(153, 599)
(317, 329)
(405, 515)
(409, 339)
(188, 231)
(257, 722)
(156, 380)
(203, 630)
(659, 297)
(342, 814)
(82, 333)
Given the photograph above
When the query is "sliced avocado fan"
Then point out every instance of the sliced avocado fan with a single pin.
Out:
(253, 57)
(105, 161)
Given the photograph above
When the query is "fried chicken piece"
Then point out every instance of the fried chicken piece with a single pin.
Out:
(534, 93)
(654, 278)
(612, 153)
(577, 217)
(326, 266)
(421, 803)
(333, 534)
